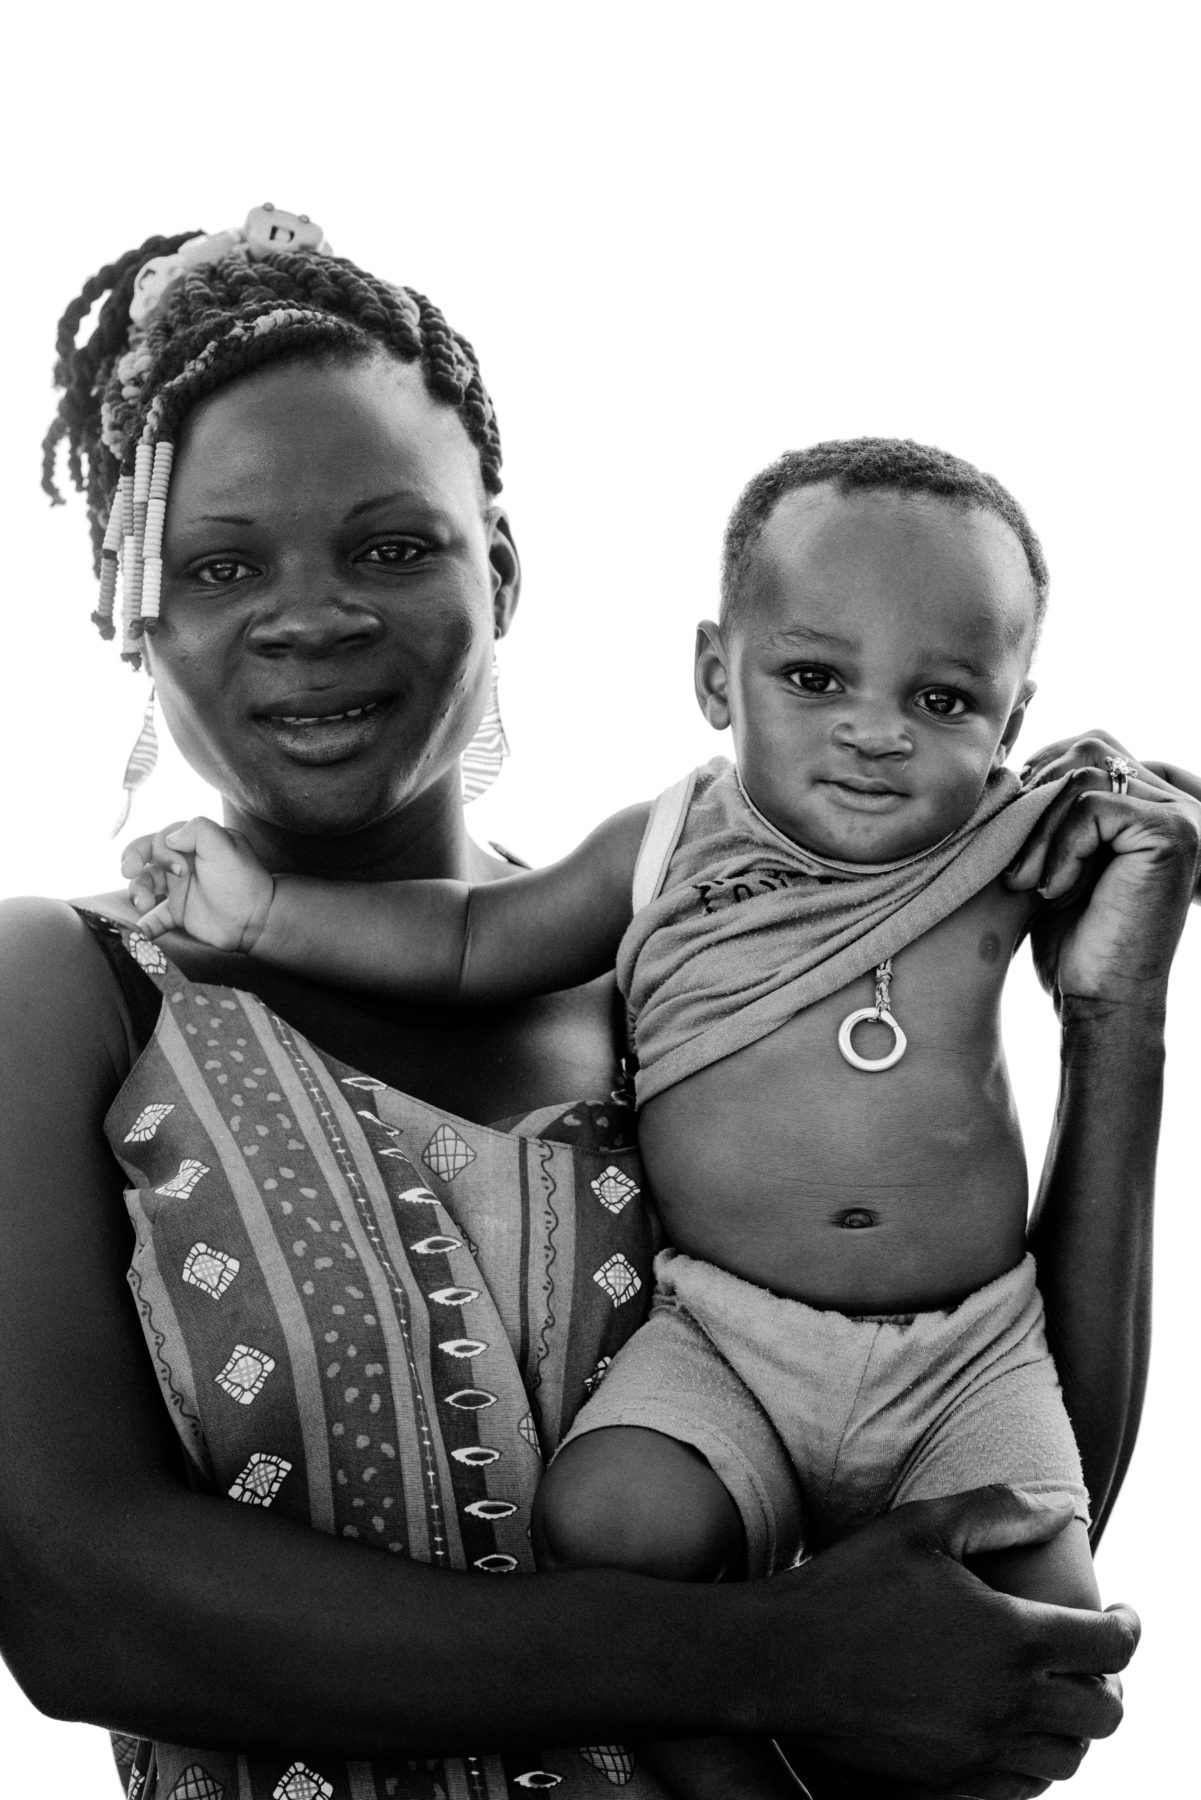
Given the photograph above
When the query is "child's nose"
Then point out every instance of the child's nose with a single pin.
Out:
(874, 730)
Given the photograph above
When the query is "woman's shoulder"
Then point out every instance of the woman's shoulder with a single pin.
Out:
(62, 997)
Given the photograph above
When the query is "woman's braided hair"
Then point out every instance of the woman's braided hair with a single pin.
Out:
(127, 390)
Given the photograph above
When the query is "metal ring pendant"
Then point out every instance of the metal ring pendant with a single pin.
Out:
(870, 1065)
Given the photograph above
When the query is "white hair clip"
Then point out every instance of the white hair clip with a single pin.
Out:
(267, 228)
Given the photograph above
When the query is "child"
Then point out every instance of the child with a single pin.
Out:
(812, 943)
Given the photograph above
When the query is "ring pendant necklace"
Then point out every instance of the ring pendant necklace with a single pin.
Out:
(880, 1013)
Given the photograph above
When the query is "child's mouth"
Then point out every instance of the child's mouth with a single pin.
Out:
(869, 796)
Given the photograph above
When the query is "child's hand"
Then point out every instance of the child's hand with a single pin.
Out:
(199, 878)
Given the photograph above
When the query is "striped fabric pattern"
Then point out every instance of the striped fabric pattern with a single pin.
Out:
(373, 1317)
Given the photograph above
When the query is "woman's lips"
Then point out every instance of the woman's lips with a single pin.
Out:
(311, 735)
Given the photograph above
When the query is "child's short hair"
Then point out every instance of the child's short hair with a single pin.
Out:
(896, 465)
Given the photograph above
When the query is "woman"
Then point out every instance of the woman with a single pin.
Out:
(334, 572)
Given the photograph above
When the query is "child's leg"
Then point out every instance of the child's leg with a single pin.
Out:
(627, 1498)
(1001, 1418)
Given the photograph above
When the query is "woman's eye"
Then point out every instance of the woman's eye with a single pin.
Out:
(813, 680)
(221, 571)
(944, 703)
(394, 551)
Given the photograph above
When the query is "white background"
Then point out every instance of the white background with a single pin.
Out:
(682, 240)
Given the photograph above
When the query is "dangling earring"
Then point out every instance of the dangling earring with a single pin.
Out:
(140, 766)
(480, 763)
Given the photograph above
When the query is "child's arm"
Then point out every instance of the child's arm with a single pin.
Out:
(443, 940)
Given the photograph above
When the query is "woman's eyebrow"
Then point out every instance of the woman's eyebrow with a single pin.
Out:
(405, 496)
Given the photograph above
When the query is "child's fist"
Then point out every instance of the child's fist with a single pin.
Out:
(199, 878)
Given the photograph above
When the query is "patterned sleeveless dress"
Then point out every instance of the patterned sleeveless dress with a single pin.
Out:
(373, 1317)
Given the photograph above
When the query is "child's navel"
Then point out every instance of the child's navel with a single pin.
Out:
(857, 1218)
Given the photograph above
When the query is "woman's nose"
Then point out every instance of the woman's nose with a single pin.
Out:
(874, 730)
(312, 618)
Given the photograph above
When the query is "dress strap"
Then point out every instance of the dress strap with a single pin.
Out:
(660, 838)
(136, 963)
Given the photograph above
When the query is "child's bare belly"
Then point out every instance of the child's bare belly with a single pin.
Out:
(898, 1191)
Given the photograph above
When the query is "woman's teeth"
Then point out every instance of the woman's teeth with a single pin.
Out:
(354, 712)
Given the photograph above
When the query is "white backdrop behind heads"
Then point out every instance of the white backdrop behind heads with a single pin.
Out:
(681, 245)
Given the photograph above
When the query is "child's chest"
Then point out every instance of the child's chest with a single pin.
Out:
(842, 1185)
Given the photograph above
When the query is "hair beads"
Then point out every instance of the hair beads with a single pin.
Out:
(156, 512)
(109, 568)
(201, 324)
(135, 538)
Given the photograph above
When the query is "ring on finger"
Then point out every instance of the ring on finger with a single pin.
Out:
(1119, 769)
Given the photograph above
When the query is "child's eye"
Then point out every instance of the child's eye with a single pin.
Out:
(392, 552)
(221, 571)
(944, 703)
(812, 679)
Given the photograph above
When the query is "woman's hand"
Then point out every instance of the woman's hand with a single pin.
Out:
(931, 1681)
(200, 878)
(1117, 869)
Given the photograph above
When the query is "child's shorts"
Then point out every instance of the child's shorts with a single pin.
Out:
(816, 1421)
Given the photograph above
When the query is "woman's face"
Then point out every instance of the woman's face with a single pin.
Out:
(333, 581)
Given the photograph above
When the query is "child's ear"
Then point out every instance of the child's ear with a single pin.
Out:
(1014, 723)
(712, 675)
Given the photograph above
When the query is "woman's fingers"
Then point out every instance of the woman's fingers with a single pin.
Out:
(1049, 845)
(1120, 870)
(1183, 780)
(1087, 749)
(1027, 868)
(1100, 821)
(1090, 751)
(1086, 828)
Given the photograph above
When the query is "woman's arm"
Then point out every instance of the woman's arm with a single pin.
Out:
(1091, 1230)
(533, 933)
(1106, 961)
(133, 1602)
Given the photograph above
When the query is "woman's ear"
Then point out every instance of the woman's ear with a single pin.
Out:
(506, 568)
(1014, 724)
(712, 675)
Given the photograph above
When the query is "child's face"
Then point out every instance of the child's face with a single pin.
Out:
(875, 673)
